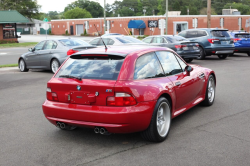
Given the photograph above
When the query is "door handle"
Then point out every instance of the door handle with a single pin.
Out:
(177, 83)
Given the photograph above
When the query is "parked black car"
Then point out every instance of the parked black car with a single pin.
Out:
(186, 49)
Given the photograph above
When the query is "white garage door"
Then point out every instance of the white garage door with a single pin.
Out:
(79, 29)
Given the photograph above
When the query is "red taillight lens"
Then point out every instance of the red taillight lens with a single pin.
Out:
(236, 39)
(121, 99)
(70, 52)
(51, 95)
(212, 40)
(180, 46)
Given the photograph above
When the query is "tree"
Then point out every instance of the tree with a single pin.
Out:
(139, 8)
(53, 14)
(94, 8)
(28, 8)
(243, 8)
(77, 13)
(160, 7)
(176, 6)
(183, 10)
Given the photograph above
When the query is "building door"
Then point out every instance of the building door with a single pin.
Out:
(71, 30)
(180, 26)
(79, 29)
(141, 31)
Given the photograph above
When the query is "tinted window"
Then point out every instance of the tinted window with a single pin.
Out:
(73, 42)
(148, 66)
(39, 46)
(169, 62)
(94, 42)
(147, 40)
(183, 34)
(242, 35)
(50, 45)
(218, 33)
(92, 68)
(202, 33)
(126, 39)
(192, 34)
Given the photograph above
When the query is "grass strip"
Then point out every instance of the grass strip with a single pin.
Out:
(9, 65)
(18, 44)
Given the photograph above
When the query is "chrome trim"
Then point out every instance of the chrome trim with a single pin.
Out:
(224, 52)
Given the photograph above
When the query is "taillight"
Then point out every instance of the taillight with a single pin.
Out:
(51, 95)
(70, 52)
(180, 46)
(236, 39)
(121, 99)
(212, 40)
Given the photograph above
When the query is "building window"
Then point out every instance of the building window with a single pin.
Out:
(58, 26)
(195, 22)
(9, 31)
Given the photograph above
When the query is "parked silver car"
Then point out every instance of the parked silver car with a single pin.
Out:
(50, 54)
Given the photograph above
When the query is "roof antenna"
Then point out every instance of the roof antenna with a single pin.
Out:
(101, 38)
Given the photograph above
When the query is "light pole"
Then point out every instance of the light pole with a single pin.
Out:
(105, 28)
(144, 11)
(166, 17)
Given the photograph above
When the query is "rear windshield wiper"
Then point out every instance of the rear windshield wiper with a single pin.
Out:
(69, 76)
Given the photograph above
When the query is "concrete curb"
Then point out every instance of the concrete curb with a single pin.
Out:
(8, 68)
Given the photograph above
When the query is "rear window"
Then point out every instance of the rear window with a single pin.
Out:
(218, 33)
(242, 35)
(126, 39)
(74, 42)
(92, 68)
(176, 39)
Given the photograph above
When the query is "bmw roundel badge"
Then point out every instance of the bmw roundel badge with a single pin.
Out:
(78, 87)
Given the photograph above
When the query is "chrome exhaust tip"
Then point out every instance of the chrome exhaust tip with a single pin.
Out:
(62, 125)
(102, 130)
(96, 130)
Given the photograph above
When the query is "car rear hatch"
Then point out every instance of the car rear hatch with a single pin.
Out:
(242, 39)
(85, 79)
(187, 46)
(221, 38)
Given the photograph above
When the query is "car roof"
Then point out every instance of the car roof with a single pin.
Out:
(121, 50)
(207, 29)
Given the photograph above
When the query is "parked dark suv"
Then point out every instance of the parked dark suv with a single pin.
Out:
(212, 41)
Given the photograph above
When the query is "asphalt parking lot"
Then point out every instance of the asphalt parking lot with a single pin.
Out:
(216, 135)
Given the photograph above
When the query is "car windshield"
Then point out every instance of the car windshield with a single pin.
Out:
(242, 35)
(74, 42)
(219, 33)
(126, 39)
(91, 68)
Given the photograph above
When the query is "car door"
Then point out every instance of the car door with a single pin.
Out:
(32, 60)
(46, 53)
(185, 85)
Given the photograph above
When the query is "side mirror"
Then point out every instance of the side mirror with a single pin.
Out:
(30, 49)
(188, 69)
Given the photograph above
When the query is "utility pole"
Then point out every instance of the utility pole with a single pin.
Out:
(166, 17)
(105, 28)
(208, 13)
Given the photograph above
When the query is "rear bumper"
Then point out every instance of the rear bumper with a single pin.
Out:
(242, 49)
(190, 54)
(219, 51)
(114, 119)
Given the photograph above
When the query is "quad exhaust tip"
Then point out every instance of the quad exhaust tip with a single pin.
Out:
(96, 130)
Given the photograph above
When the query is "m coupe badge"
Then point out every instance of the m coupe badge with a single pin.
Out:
(78, 87)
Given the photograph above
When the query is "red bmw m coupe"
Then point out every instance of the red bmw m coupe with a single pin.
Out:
(126, 89)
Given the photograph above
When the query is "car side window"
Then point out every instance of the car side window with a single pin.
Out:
(183, 34)
(201, 33)
(192, 34)
(94, 42)
(39, 46)
(148, 66)
(50, 45)
(157, 40)
(107, 41)
(183, 64)
(169, 63)
(147, 40)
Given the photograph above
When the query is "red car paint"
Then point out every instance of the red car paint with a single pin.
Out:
(124, 119)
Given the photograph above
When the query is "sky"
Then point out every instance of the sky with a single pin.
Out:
(59, 5)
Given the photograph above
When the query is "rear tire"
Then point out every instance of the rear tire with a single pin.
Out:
(160, 122)
(210, 92)
(189, 60)
(222, 56)
(54, 65)
(22, 66)
(202, 54)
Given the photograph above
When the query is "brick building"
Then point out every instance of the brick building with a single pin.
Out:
(120, 24)
(8, 21)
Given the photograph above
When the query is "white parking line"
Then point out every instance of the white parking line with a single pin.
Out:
(3, 53)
